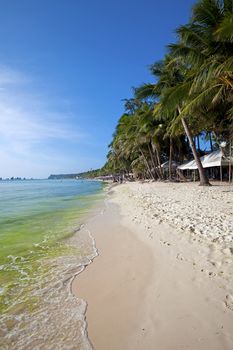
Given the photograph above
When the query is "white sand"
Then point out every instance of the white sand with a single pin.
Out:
(174, 293)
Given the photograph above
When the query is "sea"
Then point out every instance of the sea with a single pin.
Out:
(43, 245)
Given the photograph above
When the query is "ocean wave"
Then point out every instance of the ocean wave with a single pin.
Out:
(41, 252)
(55, 317)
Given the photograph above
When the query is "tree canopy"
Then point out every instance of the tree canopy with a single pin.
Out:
(191, 99)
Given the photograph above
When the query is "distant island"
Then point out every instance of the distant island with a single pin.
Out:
(87, 174)
(14, 178)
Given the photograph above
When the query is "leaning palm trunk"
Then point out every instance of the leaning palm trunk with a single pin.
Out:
(158, 161)
(170, 159)
(153, 162)
(211, 143)
(203, 178)
(147, 164)
(198, 144)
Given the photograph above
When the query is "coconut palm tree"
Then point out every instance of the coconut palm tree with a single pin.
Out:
(205, 50)
(171, 88)
(193, 91)
(205, 46)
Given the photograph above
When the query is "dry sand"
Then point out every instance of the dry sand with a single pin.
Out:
(163, 277)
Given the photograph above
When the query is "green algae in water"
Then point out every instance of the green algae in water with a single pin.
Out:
(33, 232)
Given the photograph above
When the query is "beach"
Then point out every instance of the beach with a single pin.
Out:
(163, 275)
(116, 181)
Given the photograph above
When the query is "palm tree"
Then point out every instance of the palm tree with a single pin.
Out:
(129, 143)
(205, 49)
(193, 91)
(205, 46)
(170, 88)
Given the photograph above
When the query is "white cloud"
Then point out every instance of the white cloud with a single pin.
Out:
(29, 125)
(9, 76)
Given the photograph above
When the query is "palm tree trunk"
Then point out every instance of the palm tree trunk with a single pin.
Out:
(203, 178)
(158, 160)
(147, 164)
(230, 161)
(153, 161)
(211, 143)
(198, 144)
(170, 159)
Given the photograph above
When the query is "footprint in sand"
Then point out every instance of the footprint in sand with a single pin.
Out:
(229, 302)
(165, 242)
(179, 257)
(151, 235)
(211, 274)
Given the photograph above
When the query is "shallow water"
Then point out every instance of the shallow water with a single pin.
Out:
(41, 250)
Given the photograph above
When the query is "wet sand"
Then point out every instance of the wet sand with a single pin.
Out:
(153, 286)
(115, 283)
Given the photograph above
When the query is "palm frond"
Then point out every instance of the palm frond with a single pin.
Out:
(225, 31)
(207, 12)
(194, 102)
(145, 91)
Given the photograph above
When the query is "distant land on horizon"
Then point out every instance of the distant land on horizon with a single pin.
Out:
(87, 174)
(62, 176)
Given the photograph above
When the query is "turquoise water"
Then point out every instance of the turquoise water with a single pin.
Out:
(37, 220)
(31, 211)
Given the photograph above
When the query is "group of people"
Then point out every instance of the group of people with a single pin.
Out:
(118, 178)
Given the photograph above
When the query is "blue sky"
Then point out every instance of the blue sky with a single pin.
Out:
(65, 66)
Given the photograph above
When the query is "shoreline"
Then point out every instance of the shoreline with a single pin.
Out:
(182, 294)
(107, 279)
(47, 314)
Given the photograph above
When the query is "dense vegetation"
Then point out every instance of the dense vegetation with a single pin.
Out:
(191, 98)
(87, 174)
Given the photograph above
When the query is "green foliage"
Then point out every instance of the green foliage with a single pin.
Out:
(193, 84)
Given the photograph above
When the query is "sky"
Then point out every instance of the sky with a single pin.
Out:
(65, 67)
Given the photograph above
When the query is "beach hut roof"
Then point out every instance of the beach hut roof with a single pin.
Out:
(189, 165)
(214, 159)
(166, 164)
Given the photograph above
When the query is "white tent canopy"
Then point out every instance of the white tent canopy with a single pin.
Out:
(214, 159)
